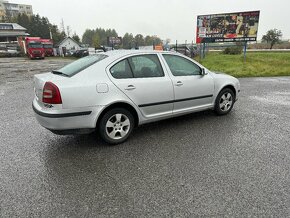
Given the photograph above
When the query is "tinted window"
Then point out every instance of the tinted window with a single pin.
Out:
(180, 66)
(121, 70)
(146, 66)
(81, 64)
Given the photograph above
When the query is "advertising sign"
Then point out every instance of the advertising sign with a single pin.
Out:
(229, 27)
(158, 47)
(112, 40)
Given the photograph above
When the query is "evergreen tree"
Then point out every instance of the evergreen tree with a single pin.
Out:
(139, 39)
(76, 37)
(38, 26)
(98, 36)
(128, 41)
(88, 37)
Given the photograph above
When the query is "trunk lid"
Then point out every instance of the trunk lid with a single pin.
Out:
(40, 80)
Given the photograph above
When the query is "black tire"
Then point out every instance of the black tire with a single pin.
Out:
(228, 103)
(121, 128)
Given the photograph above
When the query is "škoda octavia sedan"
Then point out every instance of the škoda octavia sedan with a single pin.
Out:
(113, 92)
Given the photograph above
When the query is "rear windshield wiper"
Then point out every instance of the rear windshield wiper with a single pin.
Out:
(59, 73)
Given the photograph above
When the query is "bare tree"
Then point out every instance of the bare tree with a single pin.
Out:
(272, 37)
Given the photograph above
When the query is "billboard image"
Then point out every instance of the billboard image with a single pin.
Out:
(228, 27)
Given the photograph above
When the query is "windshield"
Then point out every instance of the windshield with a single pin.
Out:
(35, 45)
(47, 46)
(81, 64)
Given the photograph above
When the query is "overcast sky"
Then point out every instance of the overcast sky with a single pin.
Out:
(174, 19)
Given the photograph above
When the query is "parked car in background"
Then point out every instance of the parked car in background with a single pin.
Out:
(81, 53)
(187, 50)
(13, 53)
(113, 92)
(70, 52)
(9, 51)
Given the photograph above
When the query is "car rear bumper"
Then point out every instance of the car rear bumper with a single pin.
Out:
(59, 120)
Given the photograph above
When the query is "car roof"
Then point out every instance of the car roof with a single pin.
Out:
(121, 53)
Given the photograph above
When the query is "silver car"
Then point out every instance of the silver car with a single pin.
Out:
(113, 92)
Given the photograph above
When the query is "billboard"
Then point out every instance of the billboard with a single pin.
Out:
(113, 40)
(228, 27)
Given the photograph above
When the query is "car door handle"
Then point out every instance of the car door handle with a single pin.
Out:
(179, 83)
(130, 87)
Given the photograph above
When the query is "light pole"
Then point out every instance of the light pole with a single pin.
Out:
(50, 33)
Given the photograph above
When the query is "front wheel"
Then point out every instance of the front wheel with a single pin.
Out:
(116, 125)
(224, 101)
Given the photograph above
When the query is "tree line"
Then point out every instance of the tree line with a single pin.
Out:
(130, 41)
(42, 27)
(98, 37)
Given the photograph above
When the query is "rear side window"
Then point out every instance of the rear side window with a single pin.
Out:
(144, 66)
(79, 65)
(121, 70)
(141, 66)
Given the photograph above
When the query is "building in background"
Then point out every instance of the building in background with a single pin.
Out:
(8, 9)
(11, 35)
(10, 32)
(68, 44)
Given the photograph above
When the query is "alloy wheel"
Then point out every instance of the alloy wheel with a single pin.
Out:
(226, 102)
(118, 126)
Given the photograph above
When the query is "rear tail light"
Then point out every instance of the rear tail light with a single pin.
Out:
(51, 94)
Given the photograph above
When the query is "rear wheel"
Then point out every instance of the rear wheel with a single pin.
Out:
(224, 101)
(116, 125)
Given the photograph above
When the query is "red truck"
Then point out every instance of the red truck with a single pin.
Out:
(48, 47)
(34, 47)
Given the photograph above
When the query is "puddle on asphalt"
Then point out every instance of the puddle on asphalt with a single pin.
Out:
(5, 67)
(14, 81)
(280, 79)
(283, 93)
(270, 115)
(18, 71)
(277, 98)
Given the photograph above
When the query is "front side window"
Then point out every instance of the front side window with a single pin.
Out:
(180, 66)
(144, 66)
(121, 70)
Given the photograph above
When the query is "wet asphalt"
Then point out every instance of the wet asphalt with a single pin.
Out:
(196, 165)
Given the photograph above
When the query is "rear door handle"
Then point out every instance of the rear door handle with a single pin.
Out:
(179, 83)
(130, 87)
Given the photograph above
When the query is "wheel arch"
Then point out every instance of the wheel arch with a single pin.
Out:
(125, 105)
(229, 86)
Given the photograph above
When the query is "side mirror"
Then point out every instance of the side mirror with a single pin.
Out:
(203, 72)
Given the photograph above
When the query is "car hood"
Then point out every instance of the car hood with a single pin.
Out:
(222, 79)
(217, 74)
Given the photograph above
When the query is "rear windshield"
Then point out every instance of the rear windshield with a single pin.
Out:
(79, 65)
